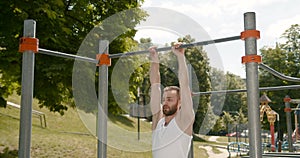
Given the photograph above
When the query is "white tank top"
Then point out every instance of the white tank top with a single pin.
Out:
(170, 141)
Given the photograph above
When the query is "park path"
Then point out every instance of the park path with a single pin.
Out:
(211, 154)
(209, 149)
(213, 138)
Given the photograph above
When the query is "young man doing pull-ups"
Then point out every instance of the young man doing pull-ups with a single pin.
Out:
(172, 121)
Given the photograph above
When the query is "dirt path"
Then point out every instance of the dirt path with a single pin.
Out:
(211, 154)
(223, 151)
(213, 138)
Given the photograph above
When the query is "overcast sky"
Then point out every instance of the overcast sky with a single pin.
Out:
(224, 18)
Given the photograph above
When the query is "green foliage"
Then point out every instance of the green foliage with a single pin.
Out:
(227, 119)
(285, 59)
(218, 80)
(222, 104)
(235, 101)
(62, 26)
(240, 118)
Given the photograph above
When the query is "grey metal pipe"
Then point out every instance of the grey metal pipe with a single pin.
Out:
(275, 88)
(189, 66)
(252, 85)
(279, 75)
(102, 104)
(182, 46)
(289, 123)
(69, 56)
(27, 93)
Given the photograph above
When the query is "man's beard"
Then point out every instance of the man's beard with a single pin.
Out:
(171, 111)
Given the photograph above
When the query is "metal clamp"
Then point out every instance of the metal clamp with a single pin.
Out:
(103, 59)
(29, 44)
(251, 58)
(250, 33)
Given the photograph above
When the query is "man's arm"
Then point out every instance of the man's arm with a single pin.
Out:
(155, 96)
(186, 116)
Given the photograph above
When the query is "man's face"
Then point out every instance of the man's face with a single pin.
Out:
(170, 102)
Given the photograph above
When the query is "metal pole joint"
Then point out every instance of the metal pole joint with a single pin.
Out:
(29, 44)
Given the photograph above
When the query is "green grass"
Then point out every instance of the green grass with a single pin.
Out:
(223, 139)
(73, 135)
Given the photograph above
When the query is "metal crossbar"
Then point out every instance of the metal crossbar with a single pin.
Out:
(279, 75)
(202, 43)
(66, 55)
(275, 88)
(72, 56)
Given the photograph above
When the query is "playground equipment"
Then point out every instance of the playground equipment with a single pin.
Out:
(238, 147)
(29, 46)
(297, 113)
(271, 115)
(288, 111)
(238, 139)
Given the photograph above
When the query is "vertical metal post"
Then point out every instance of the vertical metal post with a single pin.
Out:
(26, 93)
(289, 122)
(102, 103)
(296, 126)
(278, 134)
(236, 133)
(191, 152)
(252, 89)
(138, 111)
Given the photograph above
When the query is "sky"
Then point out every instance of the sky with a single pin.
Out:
(225, 18)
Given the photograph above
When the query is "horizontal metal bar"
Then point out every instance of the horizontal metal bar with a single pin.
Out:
(295, 101)
(65, 55)
(277, 88)
(279, 75)
(182, 46)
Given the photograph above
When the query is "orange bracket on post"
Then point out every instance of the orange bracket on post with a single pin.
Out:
(103, 59)
(287, 109)
(250, 33)
(251, 58)
(29, 43)
(287, 100)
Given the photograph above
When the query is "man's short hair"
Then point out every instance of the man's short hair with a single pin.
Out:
(170, 88)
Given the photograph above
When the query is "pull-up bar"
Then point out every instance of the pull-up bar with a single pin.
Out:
(91, 60)
(202, 43)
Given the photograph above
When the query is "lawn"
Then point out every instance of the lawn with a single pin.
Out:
(73, 135)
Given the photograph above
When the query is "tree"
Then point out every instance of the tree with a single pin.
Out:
(235, 101)
(284, 58)
(227, 119)
(218, 80)
(225, 103)
(61, 25)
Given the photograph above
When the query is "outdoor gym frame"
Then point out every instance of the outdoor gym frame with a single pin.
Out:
(29, 46)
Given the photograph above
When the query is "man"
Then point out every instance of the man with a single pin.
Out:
(172, 121)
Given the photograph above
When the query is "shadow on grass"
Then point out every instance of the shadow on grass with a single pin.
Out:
(121, 119)
(198, 139)
(6, 153)
(10, 116)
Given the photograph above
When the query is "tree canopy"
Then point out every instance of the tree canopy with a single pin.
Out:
(61, 26)
(284, 58)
